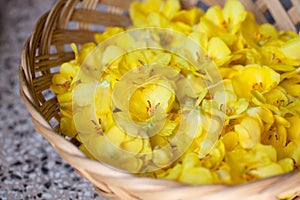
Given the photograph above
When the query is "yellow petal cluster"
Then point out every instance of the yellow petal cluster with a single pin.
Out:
(260, 100)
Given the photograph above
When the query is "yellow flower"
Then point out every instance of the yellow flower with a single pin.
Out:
(67, 126)
(164, 14)
(230, 140)
(200, 38)
(223, 173)
(133, 60)
(102, 99)
(292, 86)
(190, 17)
(193, 173)
(147, 101)
(158, 141)
(62, 82)
(276, 134)
(139, 11)
(234, 13)
(249, 132)
(172, 173)
(157, 20)
(254, 77)
(287, 164)
(218, 51)
(246, 56)
(266, 171)
(127, 111)
(83, 94)
(132, 144)
(287, 35)
(65, 101)
(274, 57)
(262, 113)
(255, 35)
(215, 157)
(226, 22)
(228, 102)
(277, 97)
(132, 164)
(291, 49)
(109, 32)
(291, 150)
(168, 128)
(197, 175)
(111, 54)
(258, 162)
(293, 132)
(115, 135)
(86, 50)
(162, 157)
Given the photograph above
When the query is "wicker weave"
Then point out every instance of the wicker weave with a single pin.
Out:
(77, 21)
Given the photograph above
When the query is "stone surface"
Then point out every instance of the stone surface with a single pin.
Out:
(29, 167)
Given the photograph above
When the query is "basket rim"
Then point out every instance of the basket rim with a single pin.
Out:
(73, 155)
(43, 127)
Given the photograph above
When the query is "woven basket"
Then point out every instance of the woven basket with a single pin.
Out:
(77, 21)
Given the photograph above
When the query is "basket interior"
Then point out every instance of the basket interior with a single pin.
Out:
(75, 21)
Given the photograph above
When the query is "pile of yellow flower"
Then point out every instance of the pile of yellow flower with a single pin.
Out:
(256, 113)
